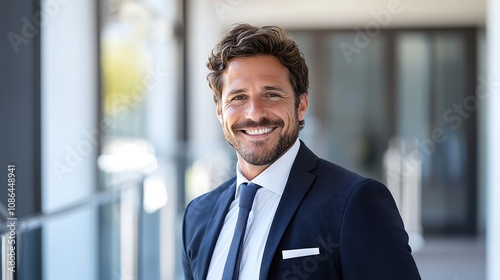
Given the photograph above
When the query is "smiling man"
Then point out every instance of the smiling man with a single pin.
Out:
(287, 214)
(257, 111)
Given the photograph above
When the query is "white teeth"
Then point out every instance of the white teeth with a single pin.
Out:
(259, 131)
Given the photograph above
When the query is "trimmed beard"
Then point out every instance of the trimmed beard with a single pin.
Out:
(284, 141)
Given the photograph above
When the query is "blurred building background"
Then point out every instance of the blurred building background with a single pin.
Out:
(108, 118)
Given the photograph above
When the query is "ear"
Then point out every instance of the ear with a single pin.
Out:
(218, 111)
(303, 104)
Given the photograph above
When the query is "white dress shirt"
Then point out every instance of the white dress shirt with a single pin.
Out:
(273, 180)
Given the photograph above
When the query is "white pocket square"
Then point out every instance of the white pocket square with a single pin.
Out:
(289, 254)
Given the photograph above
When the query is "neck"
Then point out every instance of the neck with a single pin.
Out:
(250, 171)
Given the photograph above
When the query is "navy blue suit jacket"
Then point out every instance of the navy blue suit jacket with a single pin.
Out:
(351, 219)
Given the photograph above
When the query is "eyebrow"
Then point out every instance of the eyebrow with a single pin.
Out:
(265, 88)
(235, 91)
(273, 88)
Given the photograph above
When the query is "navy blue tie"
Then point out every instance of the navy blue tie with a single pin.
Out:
(232, 267)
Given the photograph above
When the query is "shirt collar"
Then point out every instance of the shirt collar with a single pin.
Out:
(274, 177)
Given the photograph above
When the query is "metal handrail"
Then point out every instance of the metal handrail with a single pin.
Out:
(99, 198)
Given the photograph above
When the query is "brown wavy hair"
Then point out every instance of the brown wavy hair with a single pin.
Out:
(245, 40)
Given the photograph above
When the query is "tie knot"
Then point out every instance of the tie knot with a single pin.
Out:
(247, 194)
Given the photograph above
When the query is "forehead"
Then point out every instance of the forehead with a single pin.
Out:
(258, 69)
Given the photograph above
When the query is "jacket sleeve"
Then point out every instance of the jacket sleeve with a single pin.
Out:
(373, 241)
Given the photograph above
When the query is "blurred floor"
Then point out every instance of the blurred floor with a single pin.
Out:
(452, 259)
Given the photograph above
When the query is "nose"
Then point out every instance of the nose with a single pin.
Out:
(255, 109)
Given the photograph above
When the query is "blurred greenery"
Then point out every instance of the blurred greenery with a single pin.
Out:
(124, 65)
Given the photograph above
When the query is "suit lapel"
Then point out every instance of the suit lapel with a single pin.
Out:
(214, 227)
(299, 182)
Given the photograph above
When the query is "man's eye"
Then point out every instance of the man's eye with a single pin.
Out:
(239, 97)
(273, 94)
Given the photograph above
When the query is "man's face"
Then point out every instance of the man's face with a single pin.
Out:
(257, 110)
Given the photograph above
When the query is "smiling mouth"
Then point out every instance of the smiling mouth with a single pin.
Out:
(259, 131)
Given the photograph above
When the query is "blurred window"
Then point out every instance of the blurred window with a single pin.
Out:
(139, 85)
(417, 86)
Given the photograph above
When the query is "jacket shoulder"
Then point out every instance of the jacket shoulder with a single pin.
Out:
(206, 201)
